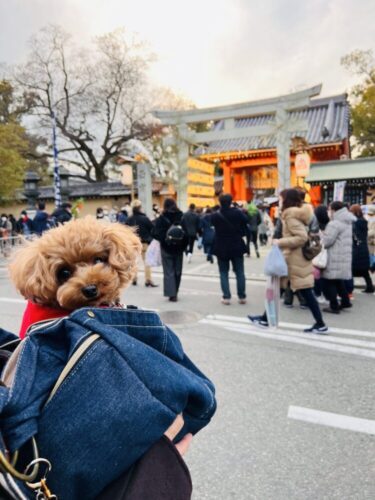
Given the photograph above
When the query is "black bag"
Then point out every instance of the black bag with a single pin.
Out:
(175, 236)
(312, 247)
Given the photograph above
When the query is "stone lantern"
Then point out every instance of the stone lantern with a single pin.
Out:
(31, 181)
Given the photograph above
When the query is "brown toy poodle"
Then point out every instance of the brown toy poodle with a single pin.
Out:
(82, 263)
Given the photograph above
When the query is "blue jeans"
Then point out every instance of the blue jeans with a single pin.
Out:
(238, 269)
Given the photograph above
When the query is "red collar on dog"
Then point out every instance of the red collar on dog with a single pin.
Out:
(36, 312)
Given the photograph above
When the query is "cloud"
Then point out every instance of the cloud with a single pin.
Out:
(215, 51)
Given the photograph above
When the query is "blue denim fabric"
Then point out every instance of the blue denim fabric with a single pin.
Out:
(118, 400)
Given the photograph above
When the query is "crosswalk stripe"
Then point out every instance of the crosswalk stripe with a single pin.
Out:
(304, 339)
(328, 338)
(294, 326)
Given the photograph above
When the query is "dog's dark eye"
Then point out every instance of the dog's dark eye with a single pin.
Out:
(99, 260)
(64, 274)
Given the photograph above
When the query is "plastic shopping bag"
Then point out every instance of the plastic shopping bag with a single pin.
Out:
(153, 254)
(272, 301)
(275, 263)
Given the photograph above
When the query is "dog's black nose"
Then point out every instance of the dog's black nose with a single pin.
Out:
(90, 291)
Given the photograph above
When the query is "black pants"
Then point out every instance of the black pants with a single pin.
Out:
(366, 276)
(172, 269)
(263, 238)
(310, 301)
(334, 288)
(190, 247)
(252, 237)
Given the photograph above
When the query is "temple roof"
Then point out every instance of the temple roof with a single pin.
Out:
(328, 122)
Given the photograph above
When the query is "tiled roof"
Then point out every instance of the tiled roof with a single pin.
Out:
(328, 122)
(342, 170)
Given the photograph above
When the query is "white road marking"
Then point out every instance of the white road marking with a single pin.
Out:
(294, 326)
(332, 419)
(309, 336)
(13, 301)
(304, 339)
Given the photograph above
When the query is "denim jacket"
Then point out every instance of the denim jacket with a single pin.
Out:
(115, 402)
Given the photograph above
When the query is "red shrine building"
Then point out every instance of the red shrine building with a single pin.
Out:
(249, 164)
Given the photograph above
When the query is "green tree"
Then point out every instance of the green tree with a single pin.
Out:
(362, 64)
(18, 149)
(12, 161)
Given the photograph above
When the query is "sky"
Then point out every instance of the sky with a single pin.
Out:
(214, 51)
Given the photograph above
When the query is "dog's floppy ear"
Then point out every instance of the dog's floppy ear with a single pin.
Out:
(30, 274)
(124, 249)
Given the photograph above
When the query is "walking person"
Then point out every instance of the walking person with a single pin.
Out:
(229, 247)
(322, 217)
(25, 225)
(170, 231)
(361, 254)
(144, 229)
(63, 214)
(295, 218)
(192, 225)
(337, 240)
(208, 234)
(40, 221)
(371, 236)
(253, 224)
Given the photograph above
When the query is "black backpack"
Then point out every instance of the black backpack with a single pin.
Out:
(175, 236)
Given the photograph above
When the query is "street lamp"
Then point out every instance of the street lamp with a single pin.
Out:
(31, 192)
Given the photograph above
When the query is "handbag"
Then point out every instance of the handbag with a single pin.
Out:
(312, 247)
(321, 260)
(153, 254)
(93, 392)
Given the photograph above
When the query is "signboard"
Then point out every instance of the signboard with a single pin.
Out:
(201, 181)
(197, 178)
(339, 190)
(201, 202)
(203, 166)
(302, 164)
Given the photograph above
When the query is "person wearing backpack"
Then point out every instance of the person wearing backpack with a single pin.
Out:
(171, 232)
(230, 226)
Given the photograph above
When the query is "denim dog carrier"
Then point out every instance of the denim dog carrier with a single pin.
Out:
(93, 392)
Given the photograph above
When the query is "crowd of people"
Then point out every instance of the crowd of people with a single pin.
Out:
(227, 231)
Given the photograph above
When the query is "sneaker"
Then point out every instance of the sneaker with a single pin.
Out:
(322, 301)
(242, 301)
(258, 321)
(289, 306)
(331, 311)
(258, 254)
(173, 299)
(303, 306)
(226, 302)
(189, 256)
(321, 329)
(368, 290)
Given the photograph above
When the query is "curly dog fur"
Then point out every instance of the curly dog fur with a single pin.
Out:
(83, 255)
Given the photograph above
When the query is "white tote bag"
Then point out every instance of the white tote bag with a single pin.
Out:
(321, 260)
(153, 254)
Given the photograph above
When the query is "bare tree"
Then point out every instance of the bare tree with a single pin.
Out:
(97, 95)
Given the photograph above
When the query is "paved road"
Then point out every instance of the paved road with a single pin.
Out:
(252, 449)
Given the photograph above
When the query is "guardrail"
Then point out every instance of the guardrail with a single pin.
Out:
(9, 243)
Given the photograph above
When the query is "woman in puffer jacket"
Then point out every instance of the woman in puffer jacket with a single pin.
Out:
(337, 240)
(296, 218)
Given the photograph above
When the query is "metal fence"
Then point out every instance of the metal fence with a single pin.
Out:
(9, 243)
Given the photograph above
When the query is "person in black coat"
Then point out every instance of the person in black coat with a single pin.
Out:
(229, 247)
(144, 229)
(192, 223)
(361, 254)
(208, 234)
(63, 214)
(172, 246)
